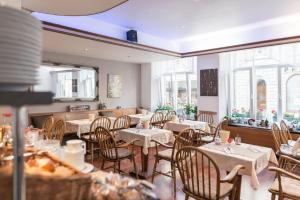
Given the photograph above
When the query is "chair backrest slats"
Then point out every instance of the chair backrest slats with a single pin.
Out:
(157, 119)
(106, 143)
(286, 135)
(122, 122)
(206, 116)
(58, 130)
(199, 173)
(47, 126)
(276, 133)
(100, 121)
(169, 115)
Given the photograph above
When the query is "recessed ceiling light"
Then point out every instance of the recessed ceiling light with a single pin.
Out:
(86, 49)
(182, 26)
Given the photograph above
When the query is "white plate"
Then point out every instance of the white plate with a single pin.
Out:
(87, 168)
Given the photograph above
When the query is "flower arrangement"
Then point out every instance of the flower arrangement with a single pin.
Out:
(260, 113)
(274, 115)
(243, 113)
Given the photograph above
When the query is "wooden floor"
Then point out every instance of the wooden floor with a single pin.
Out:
(164, 184)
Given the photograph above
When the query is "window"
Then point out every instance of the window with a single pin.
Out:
(293, 93)
(178, 82)
(263, 82)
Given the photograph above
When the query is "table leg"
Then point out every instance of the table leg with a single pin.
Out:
(238, 191)
(144, 160)
(143, 174)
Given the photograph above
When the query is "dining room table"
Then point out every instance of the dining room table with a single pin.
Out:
(254, 158)
(137, 118)
(178, 126)
(81, 126)
(145, 136)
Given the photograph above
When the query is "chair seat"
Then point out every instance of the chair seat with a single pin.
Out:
(290, 187)
(167, 154)
(225, 188)
(86, 138)
(122, 153)
(207, 138)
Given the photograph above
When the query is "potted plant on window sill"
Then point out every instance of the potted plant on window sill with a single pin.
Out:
(190, 111)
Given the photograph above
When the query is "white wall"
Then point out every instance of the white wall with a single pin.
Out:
(130, 77)
(146, 80)
(207, 103)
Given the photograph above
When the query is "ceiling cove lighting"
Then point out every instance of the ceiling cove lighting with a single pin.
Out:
(71, 7)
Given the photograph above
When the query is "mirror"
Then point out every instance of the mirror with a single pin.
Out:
(68, 83)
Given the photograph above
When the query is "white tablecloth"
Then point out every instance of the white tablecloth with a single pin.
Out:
(179, 126)
(82, 125)
(254, 158)
(145, 136)
(135, 119)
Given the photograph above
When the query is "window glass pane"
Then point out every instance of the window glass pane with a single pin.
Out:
(182, 95)
(242, 93)
(266, 92)
(193, 79)
(293, 93)
(168, 91)
(290, 92)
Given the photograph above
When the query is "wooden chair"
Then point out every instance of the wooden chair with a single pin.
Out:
(90, 138)
(168, 117)
(58, 130)
(185, 138)
(287, 184)
(47, 127)
(276, 133)
(210, 137)
(285, 132)
(157, 120)
(201, 177)
(112, 152)
(206, 116)
(120, 123)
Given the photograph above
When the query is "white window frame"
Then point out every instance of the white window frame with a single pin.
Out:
(253, 91)
(175, 87)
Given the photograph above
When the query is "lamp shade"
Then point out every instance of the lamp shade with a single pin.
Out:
(20, 52)
(70, 7)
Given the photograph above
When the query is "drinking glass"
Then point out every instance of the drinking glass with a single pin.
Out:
(238, 140)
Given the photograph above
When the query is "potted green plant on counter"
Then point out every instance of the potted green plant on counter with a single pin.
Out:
(190, 111)
(164, 108)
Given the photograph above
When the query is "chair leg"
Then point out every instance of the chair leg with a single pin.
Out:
(173, 169)
(102, 166)
(154, 169)
(135, 169)
(115, 166)
(273, 196)
(186, 197)
(119, 167)
(92, 153)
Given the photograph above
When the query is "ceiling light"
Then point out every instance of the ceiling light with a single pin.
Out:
(86, 49)
(182, 26)
(70, 7)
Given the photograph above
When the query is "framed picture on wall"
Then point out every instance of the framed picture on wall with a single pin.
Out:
(114, 86)
(209, 82)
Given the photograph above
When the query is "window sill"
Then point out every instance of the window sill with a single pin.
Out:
(259, 127)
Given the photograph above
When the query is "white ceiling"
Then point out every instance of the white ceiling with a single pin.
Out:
(177, 19)
(65, 44)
